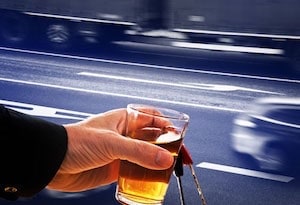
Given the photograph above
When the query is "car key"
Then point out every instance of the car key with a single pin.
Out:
(187, 160)
(178, 170)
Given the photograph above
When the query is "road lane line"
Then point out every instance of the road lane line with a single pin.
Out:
(138, 80)
(245, 172)
(199, 86)
(43, 111)
(260, 35)
(122, 95)
(216, 47)
(152, 66)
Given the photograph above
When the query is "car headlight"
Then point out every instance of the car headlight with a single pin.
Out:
(244, 123)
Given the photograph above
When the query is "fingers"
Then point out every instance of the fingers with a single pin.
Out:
(146, 118)
(152, 118)
(113, 120)
(91, 148)
(119, 147)
(136, 151)
(143, 153)
(147, 134)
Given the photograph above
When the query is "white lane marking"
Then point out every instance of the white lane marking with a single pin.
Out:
(42, 111)
(261, 35)
(219, 87)
(122, 95)
(245, 172)
(201, 86)
(153, 66)
(215, 47)
(114, 77)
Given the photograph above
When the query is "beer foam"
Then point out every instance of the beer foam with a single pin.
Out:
(168, 137)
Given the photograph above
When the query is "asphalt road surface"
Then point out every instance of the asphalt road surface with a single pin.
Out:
(66, 87)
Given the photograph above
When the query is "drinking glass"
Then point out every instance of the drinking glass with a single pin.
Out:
(163, 127)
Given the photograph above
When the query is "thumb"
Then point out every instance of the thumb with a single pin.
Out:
(143, 153)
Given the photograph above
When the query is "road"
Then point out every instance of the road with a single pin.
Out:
(65, 88)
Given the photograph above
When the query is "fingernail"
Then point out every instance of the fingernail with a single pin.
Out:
(164, 159)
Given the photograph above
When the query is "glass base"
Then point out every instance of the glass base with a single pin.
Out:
(127, 199)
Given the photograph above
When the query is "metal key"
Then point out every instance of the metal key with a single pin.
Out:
(187, 160)
(178, 170)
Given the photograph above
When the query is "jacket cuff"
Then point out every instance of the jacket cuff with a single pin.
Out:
(31, 152)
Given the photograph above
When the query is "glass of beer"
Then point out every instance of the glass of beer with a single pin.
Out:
(163, 127)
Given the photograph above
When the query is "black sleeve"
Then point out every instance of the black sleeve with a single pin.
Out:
(31, 152)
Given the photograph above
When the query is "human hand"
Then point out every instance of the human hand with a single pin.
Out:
(95, 147)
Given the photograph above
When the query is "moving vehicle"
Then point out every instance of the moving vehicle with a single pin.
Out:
(270, 133)
(61, 23)
(269, 27)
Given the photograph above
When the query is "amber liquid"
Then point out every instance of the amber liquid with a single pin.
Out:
(145, 186)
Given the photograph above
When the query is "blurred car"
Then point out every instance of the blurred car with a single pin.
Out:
(270, 133)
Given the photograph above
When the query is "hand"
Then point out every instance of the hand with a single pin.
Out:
(95, 147)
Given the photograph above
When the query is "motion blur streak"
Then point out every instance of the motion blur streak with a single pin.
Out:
(246, 172)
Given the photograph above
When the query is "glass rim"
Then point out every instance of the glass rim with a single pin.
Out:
(165, 112)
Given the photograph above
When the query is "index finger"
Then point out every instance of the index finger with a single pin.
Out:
(141, 117)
